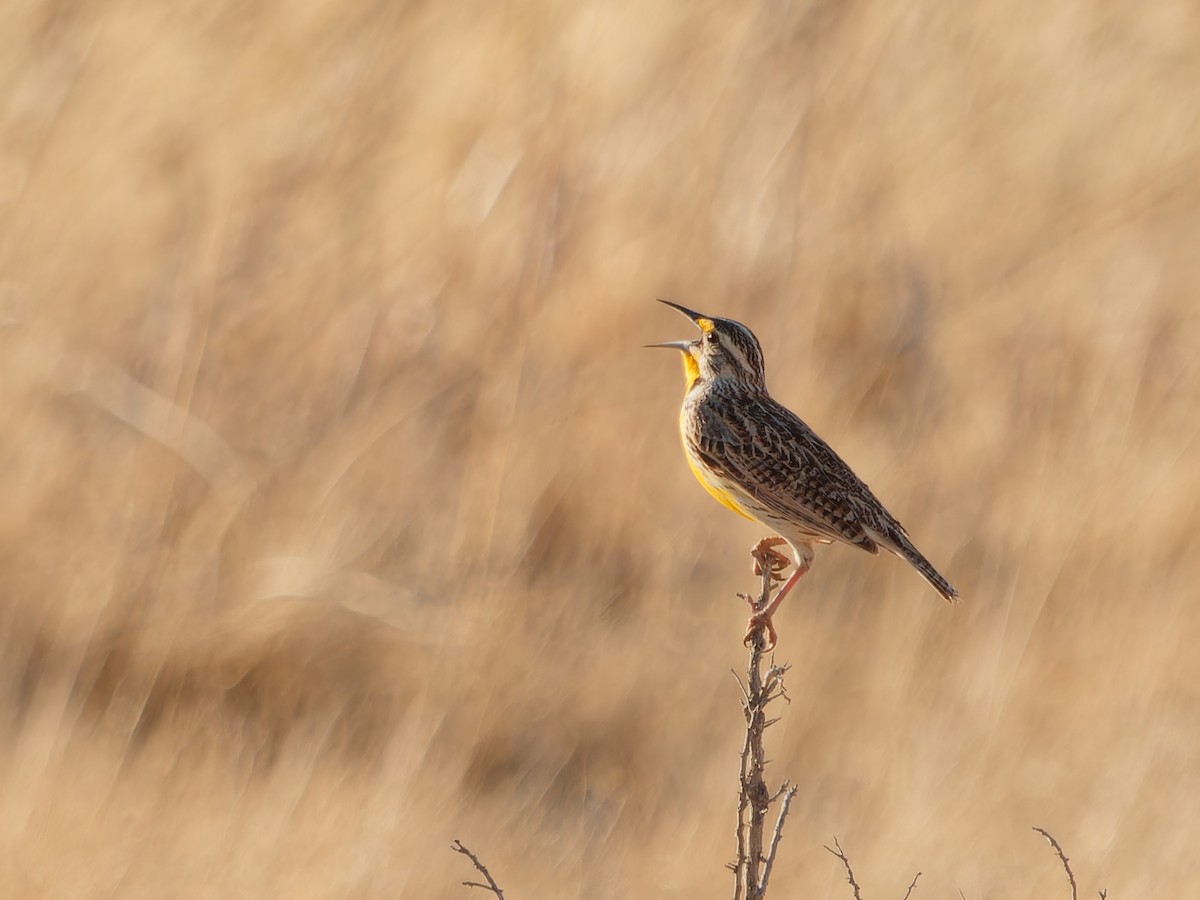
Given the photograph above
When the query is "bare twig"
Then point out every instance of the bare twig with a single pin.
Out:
(840, 854)
(752, 867)
(491, 885)
(739, 864)
(741, 686)
(788, 791)
(1062, 857)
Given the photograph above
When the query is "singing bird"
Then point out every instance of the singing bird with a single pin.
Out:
(760, 460)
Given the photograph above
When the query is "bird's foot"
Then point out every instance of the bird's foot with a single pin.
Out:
(755, 626)
(764, 551)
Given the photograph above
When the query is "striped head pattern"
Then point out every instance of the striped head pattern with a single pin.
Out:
(725, 349)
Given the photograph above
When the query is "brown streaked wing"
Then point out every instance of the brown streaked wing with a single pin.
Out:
(775, 457)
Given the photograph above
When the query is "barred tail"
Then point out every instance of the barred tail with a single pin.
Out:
(907, 551)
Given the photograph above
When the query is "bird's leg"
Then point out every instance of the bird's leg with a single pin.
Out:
(762, 618)
(778, 562)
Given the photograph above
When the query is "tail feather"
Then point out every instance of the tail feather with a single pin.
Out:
(912, 555)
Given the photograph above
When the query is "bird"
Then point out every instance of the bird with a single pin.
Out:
(760, 460)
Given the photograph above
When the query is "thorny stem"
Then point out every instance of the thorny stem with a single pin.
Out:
(912, 884)
(1062, 858)
(491, 885)
(1066, 863)
(752, 869)
(788, 791)
(841, 854)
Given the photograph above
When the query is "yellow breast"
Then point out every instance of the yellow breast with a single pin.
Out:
(691, 371)
(720, 493)
(722, 496)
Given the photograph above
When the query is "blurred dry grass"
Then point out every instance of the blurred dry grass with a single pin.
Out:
(344, 515)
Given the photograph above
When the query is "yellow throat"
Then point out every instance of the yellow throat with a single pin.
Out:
(691, 371)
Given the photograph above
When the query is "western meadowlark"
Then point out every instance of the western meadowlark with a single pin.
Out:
(760, 460)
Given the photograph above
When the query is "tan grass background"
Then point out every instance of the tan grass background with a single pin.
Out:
(342, 513)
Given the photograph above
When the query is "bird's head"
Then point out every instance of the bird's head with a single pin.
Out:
(725, 349)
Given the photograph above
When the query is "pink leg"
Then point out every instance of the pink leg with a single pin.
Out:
(763, 619)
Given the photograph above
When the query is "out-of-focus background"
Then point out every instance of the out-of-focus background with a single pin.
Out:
(343, 514)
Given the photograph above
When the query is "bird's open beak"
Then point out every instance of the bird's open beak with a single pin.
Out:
(684, 346)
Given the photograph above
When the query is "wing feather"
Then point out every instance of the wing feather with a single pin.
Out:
(772, 455)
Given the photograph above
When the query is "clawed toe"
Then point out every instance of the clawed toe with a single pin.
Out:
(757, 622)
(764, 550)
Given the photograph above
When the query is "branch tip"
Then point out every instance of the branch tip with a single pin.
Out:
(1066, 864)
(841, 854)
(458, 847)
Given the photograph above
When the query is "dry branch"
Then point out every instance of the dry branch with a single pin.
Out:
(491, 885)
(840, 854)
(1062, 858)
(752, 868)
(911, 885)
(1066, 864)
